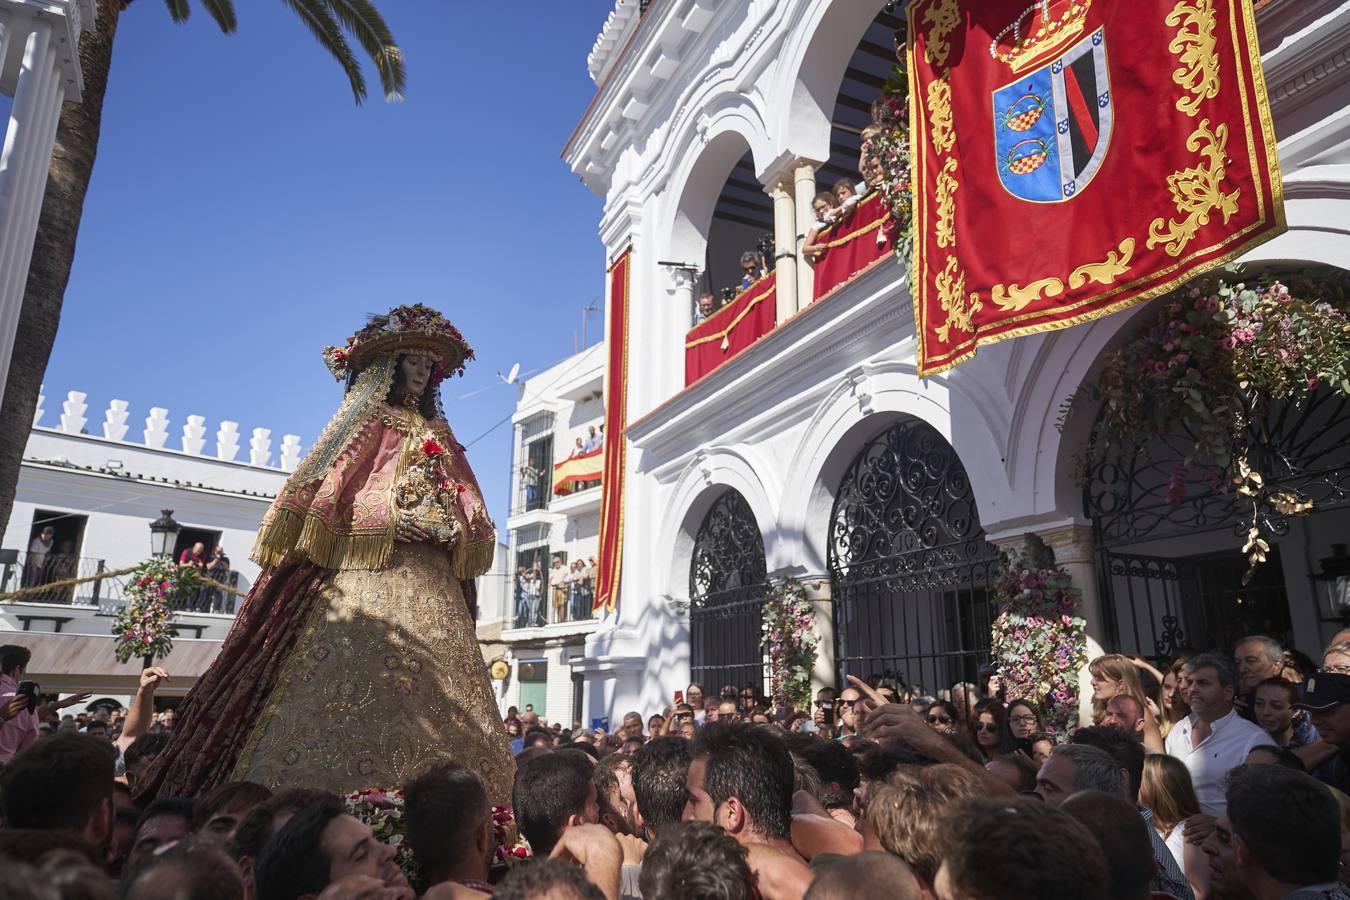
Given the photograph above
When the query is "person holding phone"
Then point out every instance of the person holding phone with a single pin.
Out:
(19, 703)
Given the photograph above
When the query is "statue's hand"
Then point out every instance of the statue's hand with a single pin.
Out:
(407, 530)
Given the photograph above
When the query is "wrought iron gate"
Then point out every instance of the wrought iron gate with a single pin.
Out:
(910, 566)
(727, 586)
(1145, 502)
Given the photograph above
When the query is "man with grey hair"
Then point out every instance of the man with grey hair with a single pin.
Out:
(1213, 739)
(1078, 767)
(1257, 658)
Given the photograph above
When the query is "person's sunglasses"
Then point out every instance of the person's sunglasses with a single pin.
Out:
(939, 720)
(986, 726)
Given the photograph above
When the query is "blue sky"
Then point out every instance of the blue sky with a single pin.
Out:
(244, 213)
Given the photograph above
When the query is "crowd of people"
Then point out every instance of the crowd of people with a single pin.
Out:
(217, 568)
(1219, 776)
(570, 589)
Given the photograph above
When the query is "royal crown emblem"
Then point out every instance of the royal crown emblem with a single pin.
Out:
(1039, 32)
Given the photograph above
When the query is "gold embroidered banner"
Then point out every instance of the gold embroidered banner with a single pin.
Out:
(1074, 157)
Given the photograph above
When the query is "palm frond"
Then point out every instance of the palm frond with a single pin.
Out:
(222, 11)
(316, 16)
(178, 10)
(361, 19)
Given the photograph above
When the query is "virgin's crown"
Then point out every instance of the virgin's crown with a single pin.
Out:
(1040, 32)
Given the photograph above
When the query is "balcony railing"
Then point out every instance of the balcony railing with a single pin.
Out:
(105, 593)
(538, 603)
(731, 329)
(853, 245)
(532, 490)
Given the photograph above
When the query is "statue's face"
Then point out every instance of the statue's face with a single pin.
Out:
(416, 371)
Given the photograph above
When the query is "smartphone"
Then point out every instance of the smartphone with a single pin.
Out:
(28, 689)
(679, 697)
(829, 715)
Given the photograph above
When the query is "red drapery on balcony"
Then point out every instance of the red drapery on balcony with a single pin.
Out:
(729, 330)
(853, 245)
(610, 564)
(580, 469)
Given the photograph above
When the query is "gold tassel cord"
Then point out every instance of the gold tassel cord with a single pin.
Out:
(115, 573)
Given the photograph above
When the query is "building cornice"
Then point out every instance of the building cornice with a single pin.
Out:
(1311, 57)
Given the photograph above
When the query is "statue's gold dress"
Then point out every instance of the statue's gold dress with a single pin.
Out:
(354, 661)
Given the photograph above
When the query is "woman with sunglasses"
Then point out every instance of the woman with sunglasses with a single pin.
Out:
(989, 729)
(941, 716)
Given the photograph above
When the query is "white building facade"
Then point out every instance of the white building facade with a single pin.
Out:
(99, 485)
(817, 453)
(540, 629)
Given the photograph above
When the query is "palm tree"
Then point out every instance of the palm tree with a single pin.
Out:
(77, 134)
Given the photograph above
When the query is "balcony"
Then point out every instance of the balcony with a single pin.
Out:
(849, 248)
(23, 570)
(576, 483)
(542, 610)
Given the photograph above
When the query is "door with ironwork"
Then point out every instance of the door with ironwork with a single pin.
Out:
(1160, 591)
(910, 567)
(727, 586)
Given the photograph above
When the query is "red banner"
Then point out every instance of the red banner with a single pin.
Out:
(577, 470)
(1074, 157)
(610, 561)
(853, 245)
(730, 330)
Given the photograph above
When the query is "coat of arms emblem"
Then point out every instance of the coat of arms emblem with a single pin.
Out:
(1052, 126)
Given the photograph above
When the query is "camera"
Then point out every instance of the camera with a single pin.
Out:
(30, 690)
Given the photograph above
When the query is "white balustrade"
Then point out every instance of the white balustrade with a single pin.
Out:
(156, 428)
(73, 418)
(227, 441)
(115, 420)
(194, 435)
(260, 447)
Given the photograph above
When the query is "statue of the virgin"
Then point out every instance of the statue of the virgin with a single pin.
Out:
(354, 661)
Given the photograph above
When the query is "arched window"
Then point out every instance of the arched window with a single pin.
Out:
(909, 563)
(727, 584)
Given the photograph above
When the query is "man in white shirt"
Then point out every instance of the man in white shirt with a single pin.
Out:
(1213, 739)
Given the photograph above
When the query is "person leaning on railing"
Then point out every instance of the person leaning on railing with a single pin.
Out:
(823, 205)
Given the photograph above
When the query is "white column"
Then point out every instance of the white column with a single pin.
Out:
(24, 161)
(804, 185)
(681, 290)
(1073, 549)
(784, 245)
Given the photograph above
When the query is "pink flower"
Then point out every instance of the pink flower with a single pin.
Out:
(1228, 343)
(1244, 336)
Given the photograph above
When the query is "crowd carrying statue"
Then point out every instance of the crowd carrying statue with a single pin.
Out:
(354, 661)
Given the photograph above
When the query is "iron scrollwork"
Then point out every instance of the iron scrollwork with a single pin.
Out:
(728, 553)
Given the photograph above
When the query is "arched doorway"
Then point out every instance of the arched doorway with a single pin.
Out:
(1169, 535)
(727, 584)
(909, 563)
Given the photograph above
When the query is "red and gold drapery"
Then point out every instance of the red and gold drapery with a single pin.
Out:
(853, 245)
(580, 469)
(610, 561)
(1074, 157)
(730, 330)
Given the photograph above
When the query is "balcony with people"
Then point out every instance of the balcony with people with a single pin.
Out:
(559, 597)
(776, 244)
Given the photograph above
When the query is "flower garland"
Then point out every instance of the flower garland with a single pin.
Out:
(889, 149)
(383, 811)
(790, 639)
(1039, 642)
(1212, 361)
(144, 626)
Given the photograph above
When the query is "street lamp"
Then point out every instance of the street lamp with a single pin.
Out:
(1333, 585)
(163, 534)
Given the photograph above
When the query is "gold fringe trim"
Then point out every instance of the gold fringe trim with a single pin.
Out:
(719, 335)
(471, 559)
(291, 534)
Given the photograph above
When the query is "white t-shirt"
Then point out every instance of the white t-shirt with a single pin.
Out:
(1226, 748)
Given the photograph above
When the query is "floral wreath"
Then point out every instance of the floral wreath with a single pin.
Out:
(1038, 640)
(789, 631)
(406, 329)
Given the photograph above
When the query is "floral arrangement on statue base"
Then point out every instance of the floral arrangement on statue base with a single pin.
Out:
(1039, 642)
(1212, 361)
(790, 640)
(382, 810)
(144, 627)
